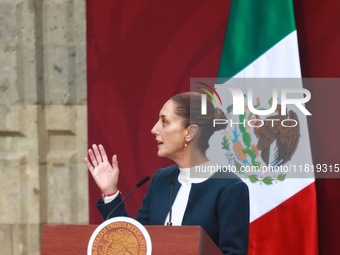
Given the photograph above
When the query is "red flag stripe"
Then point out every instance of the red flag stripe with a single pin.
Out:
(292, 227)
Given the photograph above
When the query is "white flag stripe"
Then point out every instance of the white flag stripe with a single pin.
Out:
(281, 61)
(262, 199)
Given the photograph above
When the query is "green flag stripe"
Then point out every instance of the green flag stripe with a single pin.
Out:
(254, 26)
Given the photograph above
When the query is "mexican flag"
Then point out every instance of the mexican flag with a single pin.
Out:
(261, 42)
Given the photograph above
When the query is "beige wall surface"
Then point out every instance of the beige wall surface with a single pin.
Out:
(43, 120)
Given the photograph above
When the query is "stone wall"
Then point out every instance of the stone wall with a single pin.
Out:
(43, 119)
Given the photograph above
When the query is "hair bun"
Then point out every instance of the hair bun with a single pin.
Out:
(219, 114)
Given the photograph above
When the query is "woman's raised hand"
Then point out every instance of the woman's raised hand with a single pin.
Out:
(103, 172)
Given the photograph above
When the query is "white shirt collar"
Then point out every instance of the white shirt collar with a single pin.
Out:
(184, 175)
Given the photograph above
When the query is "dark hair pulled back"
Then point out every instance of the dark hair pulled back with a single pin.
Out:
(188, 107)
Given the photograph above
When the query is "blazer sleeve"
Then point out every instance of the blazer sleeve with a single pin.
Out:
(106, 209)
(142, 215)
(233, 215)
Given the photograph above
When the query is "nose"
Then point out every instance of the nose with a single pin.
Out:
(154, 129)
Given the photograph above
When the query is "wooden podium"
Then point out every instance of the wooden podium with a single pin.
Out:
(166, 240)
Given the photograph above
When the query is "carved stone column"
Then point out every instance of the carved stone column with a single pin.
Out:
(43, 119)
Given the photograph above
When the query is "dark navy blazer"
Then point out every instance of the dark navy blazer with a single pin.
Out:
(220, 205)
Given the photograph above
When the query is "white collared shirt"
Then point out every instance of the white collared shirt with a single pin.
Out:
(180, 204)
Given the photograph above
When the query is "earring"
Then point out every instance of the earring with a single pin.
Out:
(185, 144)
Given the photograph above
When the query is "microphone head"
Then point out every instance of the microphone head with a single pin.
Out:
(141, 182)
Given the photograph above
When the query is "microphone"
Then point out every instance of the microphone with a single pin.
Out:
(140, 183)
(169, 223)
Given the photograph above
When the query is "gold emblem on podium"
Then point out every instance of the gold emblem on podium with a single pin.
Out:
(120, 235)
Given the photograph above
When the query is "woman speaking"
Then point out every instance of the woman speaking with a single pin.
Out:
(219, 204)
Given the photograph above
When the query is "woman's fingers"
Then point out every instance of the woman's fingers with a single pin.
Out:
(89, 165)
(103, 152)
(115, 162)
(93, 159)
(97, 154)
(104, 174)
